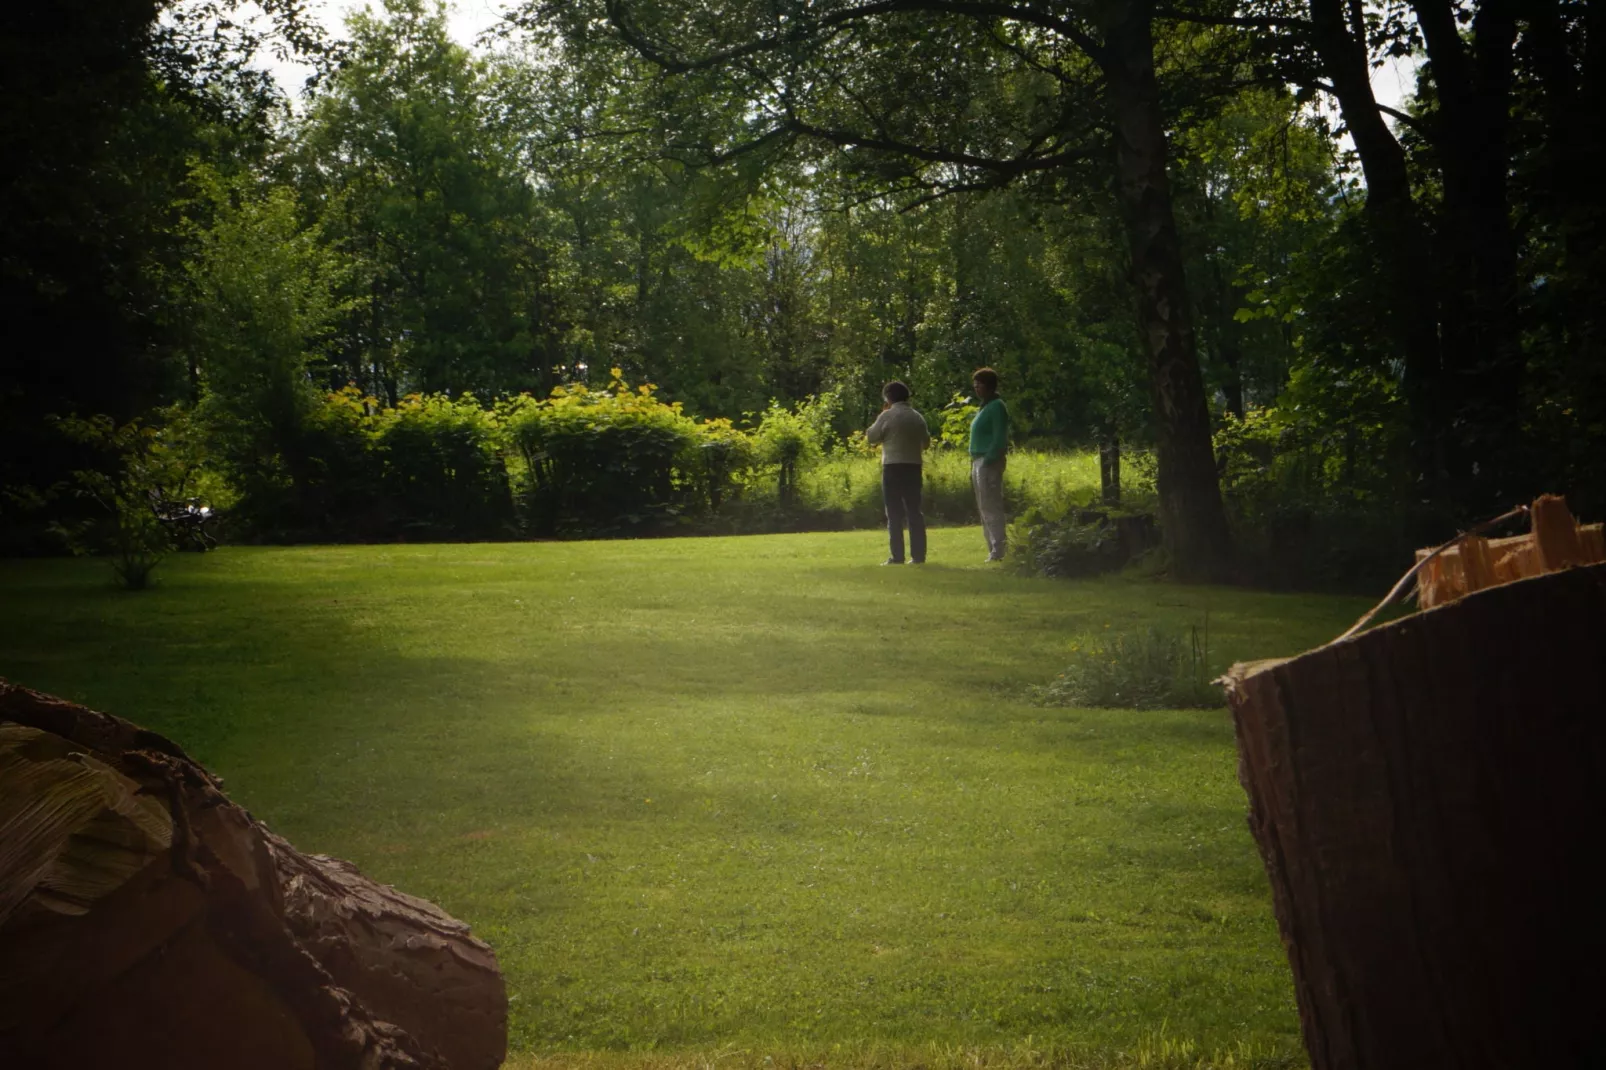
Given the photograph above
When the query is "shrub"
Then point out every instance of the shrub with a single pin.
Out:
(1149, 669)
(728, 454)
(123, 525)
(1068, 542)
(1058, 546)
(789, 440)
(956, 418)
(341, 491)
(1317, 496)
(440, 468)
(602, 462)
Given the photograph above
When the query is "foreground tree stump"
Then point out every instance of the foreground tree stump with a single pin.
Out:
(147, 921)
(1427, 800)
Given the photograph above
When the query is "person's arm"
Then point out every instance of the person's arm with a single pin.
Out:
(878, 430)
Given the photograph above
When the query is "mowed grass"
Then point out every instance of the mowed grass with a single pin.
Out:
(755, 799)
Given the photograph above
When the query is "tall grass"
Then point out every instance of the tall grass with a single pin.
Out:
(850, 486)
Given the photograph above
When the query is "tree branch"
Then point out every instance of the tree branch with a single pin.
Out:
(1018, 165)
(1267, 22)
(619, 15)
(711, 158)
(939, 192)
(1405, 120)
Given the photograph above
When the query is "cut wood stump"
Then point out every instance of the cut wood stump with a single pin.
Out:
(147, 921)
(1473, 563)
(1426, 797)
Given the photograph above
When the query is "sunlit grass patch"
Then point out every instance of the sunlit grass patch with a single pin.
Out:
(717, 795)
(851, 485)
(1156, 1052)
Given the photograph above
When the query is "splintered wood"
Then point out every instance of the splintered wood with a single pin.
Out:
(1557, 541)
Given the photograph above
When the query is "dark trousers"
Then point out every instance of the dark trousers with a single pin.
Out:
(900, 490)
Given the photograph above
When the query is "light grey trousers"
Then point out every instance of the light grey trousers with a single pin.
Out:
(988, 481)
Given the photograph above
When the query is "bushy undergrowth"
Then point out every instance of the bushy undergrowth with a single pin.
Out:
(1065, 542)
(587, 462)
(604, 461)
(1317, 498)
(1147, 669)
(441, 467)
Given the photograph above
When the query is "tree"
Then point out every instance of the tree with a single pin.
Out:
(413, 174)
(1469, 197)
(926, 98)
(1258, 199)
(103, 103)
(264, 296)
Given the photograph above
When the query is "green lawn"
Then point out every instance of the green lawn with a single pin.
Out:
(747, 799)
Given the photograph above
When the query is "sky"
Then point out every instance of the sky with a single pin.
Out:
(467, 19)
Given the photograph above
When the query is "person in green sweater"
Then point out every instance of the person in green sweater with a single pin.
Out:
(989, 445)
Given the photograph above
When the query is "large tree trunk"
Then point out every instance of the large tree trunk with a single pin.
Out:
(1398, 235)
(1484, 361)
(1426, 798)
(147, 921)
(1191, 514)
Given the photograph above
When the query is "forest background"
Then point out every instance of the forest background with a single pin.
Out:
(639, 267)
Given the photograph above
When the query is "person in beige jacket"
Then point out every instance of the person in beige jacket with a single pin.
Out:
(903, 436)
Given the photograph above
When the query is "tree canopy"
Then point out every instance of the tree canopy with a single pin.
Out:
(1135, 211)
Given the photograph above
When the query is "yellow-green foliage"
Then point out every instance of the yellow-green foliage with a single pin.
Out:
(441, 469)
(611, 460)
(956, 418)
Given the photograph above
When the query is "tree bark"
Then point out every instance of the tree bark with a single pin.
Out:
(147, 921)
(1193, 520)
(1424, 797)
(1399, 235)
(1484, 362)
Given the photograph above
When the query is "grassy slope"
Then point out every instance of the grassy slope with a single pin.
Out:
(725, 793)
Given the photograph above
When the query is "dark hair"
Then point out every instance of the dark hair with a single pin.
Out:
(986, 377)
(895, 391)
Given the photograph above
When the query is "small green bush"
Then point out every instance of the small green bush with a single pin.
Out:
(1150, 669)
(134, 473)
(1056, 545)
(341, 489)
(440, 468)
(608, 462)
(789, 441)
